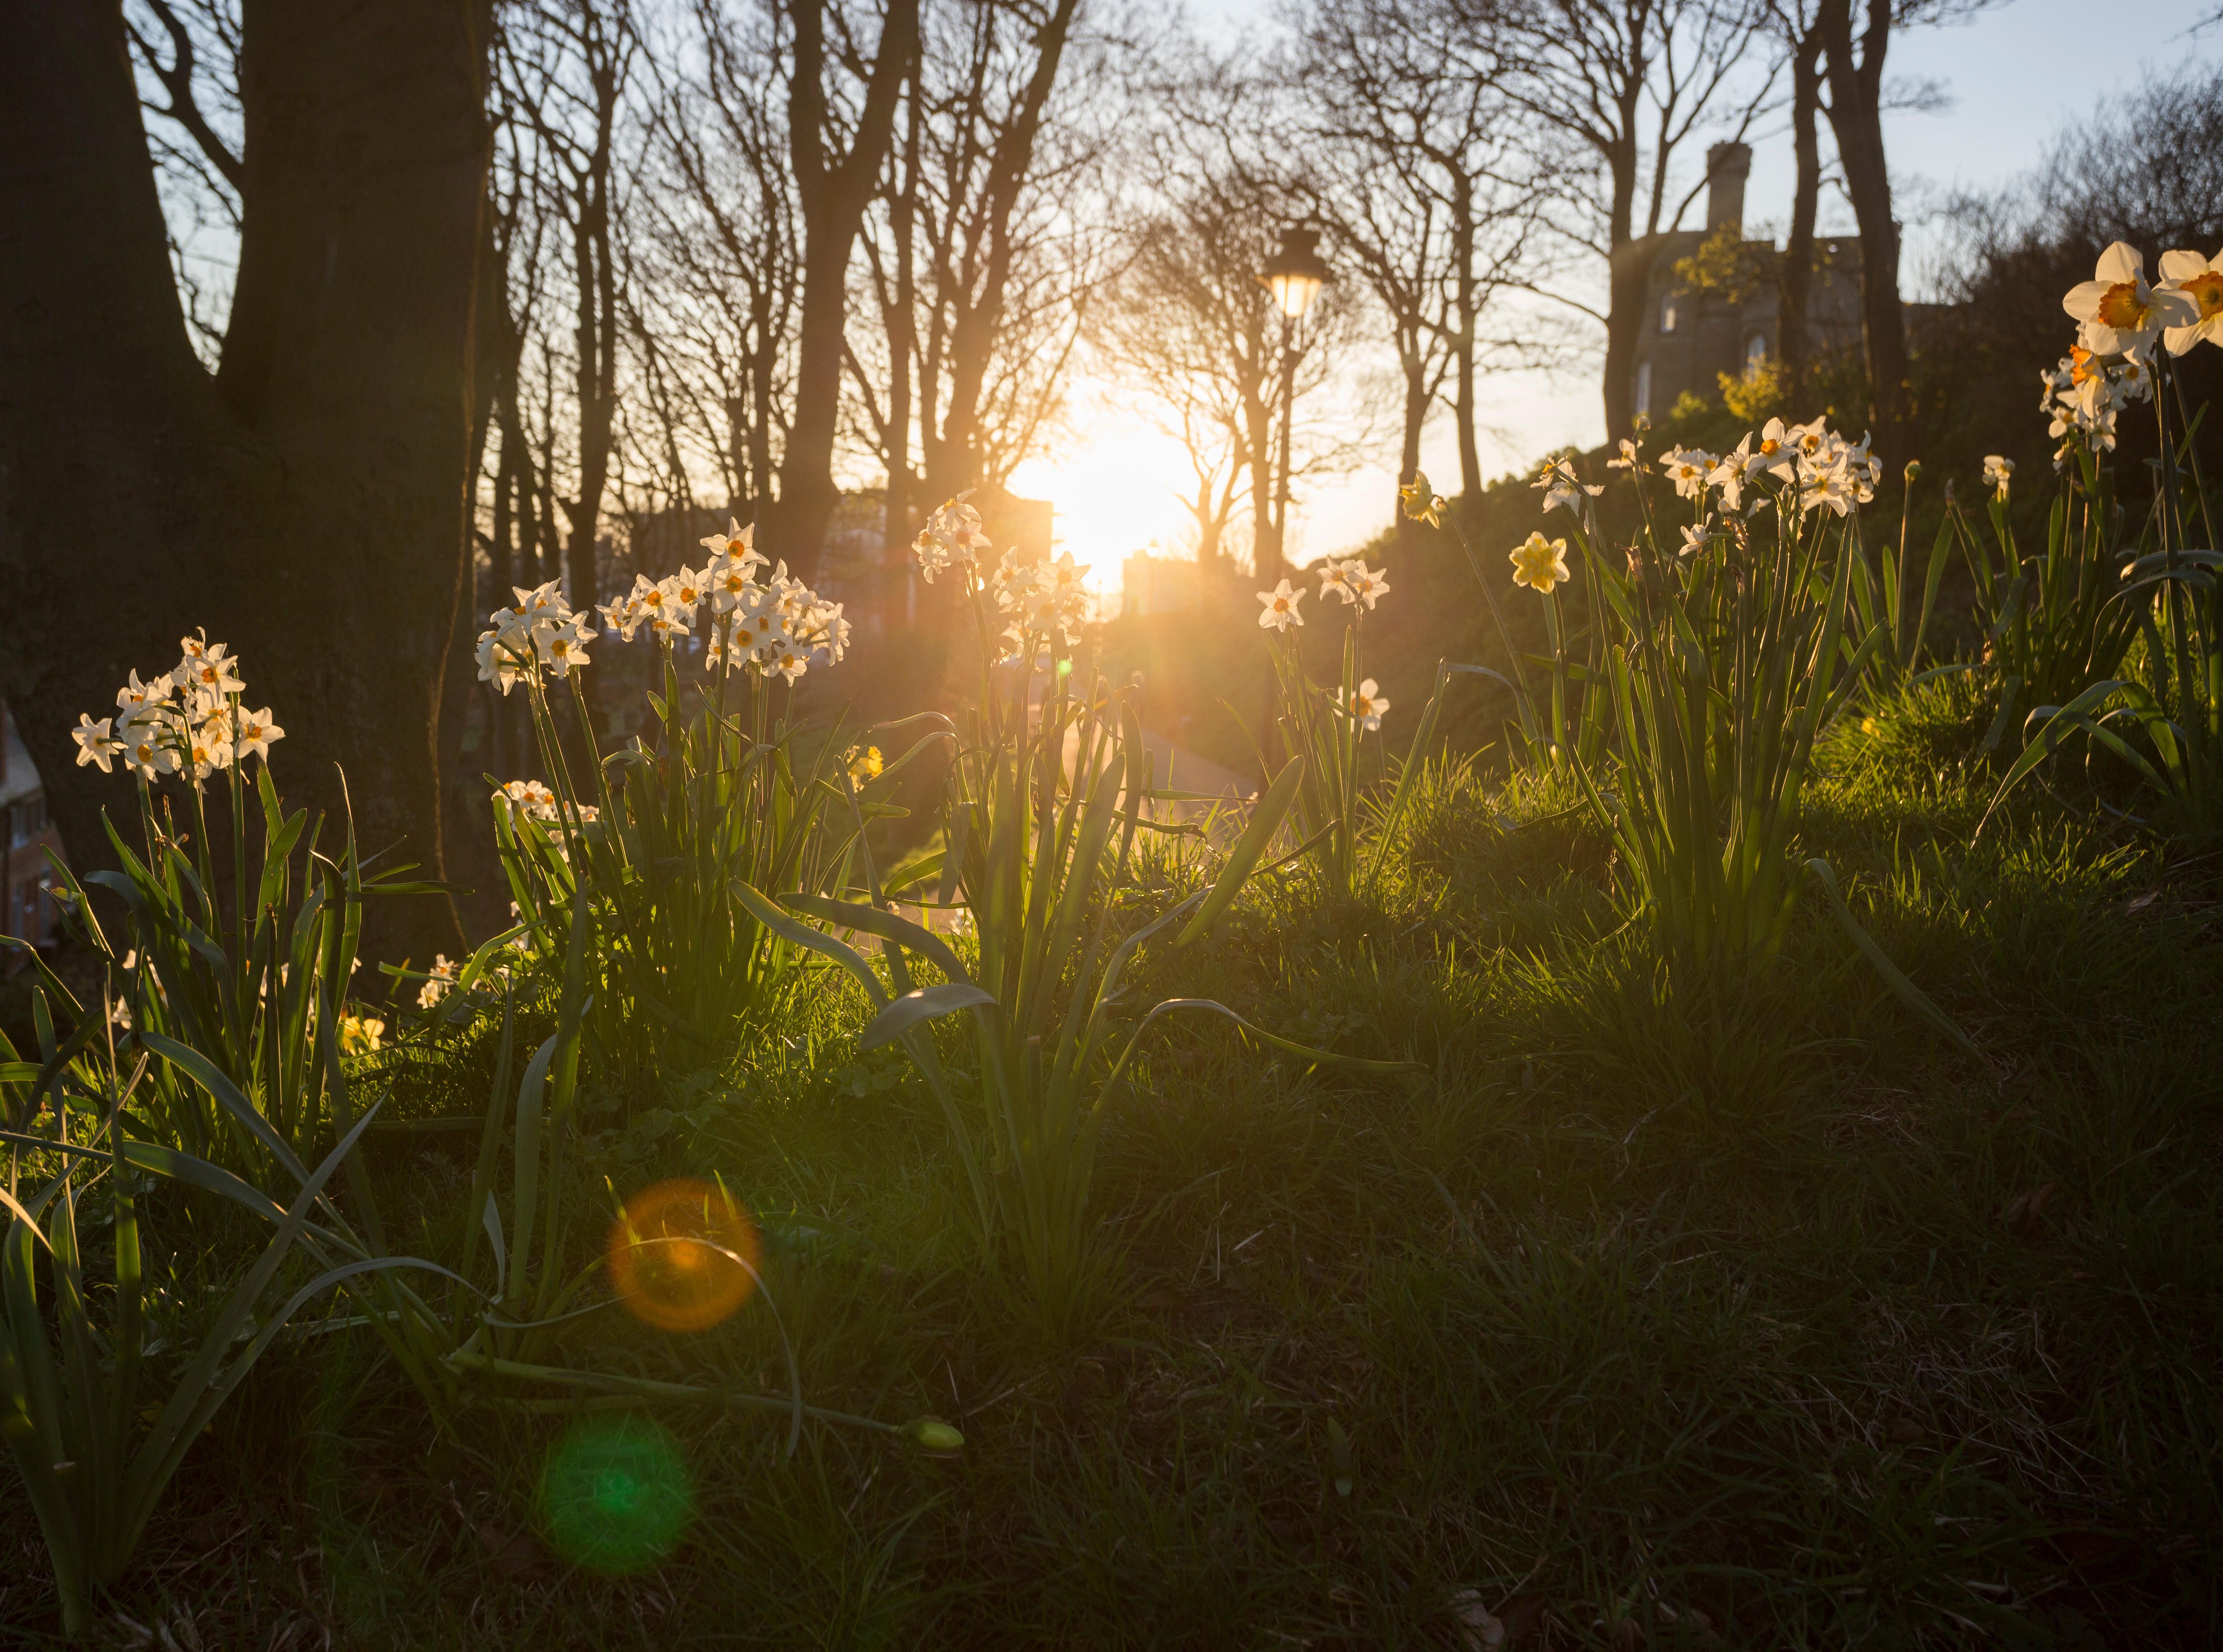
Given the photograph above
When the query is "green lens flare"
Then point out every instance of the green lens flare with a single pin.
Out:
(615, 1495)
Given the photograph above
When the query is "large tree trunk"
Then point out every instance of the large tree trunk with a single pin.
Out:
(1796, 280)
(1628, 279)
(1856, 118)
(834, 191)
(307, 504)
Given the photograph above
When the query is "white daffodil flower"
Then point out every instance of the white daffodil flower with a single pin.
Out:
(564, 646)
(1281, 608)
(134, 695)
(1562, 486)
(1366, 585)
(1998, 471)
(95, 744)
(736, 545)
(2118, 310)
(951, 538)
(2199, 280)
(1688, 468)
(257, 731)
(1364, 706)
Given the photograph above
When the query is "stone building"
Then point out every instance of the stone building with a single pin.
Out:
(1689, 338)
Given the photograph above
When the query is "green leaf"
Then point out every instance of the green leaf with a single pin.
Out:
(924, 1004)
(1265, 821)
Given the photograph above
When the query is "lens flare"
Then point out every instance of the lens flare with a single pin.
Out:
(615, 1495)
(672, 1255)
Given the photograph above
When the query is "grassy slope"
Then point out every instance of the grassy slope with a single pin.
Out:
(1743, 1305)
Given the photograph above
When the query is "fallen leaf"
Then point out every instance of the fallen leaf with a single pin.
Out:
(1479, 1630)
(1907, 1431)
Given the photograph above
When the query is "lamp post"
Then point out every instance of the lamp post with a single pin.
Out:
(1295, 275)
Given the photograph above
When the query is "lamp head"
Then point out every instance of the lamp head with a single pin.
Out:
(1296, 273)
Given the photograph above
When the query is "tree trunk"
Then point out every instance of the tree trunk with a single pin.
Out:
(308, 503)
(834, 194)
(1796, 280)
(1462, 347)
(1629, 281)
(1856, 118)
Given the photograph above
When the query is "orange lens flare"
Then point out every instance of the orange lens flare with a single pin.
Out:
(672, 1255)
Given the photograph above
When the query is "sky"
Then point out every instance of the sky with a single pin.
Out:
(2008, 77)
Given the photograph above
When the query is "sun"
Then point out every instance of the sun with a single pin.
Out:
(1116, 492)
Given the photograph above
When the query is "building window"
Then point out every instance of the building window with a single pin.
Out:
(1755, 354)
(1667, 314)
(1644, 387)
(30, 819)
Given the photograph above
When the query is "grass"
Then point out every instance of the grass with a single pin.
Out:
(1753, 1314)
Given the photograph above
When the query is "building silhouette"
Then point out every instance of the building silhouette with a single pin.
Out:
(1692, 335)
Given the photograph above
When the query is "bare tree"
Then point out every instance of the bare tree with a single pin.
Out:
(1430, 184)
(568, 64)
(1191, 318)
(1630, 81)
(836, 157)
(987, 248)
(716, 234)
(1856, 38)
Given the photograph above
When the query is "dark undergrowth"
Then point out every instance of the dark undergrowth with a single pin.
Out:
(1739, 1311)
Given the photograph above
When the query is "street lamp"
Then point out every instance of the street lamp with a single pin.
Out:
(1296, 274)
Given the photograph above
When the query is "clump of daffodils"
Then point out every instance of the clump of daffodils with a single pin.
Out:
(438, 985)
(538, 632)
(537, 801)
(1041, 601)
(778, 626)
(952, 538)
(1353, 582)
(1804, 466)
(191, 721)
(2123, 321)
(1038, 605)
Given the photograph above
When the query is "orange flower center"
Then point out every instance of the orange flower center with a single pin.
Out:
(2206, 291)
(1769, 445)
(2119, 307)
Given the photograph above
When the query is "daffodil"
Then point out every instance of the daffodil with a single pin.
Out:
(436, 987)
(1998, 471)
(1422, 502)
(1562, 486)
(135, 695)
(2117, 308)
(736, 544)
(1352, 582)
(1281, 607)
(257, 729)
(1539, 563)
(2200, 281)
(1364, 706)
(565, 646)
(951, 538)
(94, 742)
(1688, 468)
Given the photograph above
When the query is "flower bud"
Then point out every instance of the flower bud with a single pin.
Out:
(932, 1433)
(1913, 468)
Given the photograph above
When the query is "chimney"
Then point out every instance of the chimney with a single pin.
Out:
(1727, 165)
